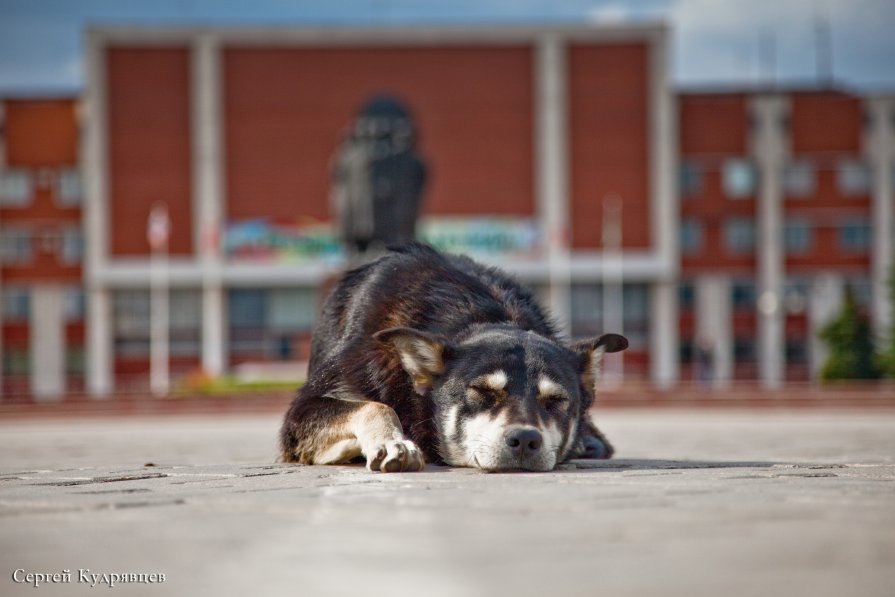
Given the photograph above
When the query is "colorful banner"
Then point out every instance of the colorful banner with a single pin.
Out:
(263, 240)
(268, 241)
(492, 236)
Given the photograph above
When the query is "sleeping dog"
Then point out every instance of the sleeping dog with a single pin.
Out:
(425, 357)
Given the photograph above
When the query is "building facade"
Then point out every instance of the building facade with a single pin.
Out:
(717, 229)
(786, 201)
(42, 339)
(531, 129)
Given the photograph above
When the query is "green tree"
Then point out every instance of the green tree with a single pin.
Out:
(887, 350)
(851, 345)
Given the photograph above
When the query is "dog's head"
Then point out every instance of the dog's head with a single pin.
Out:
(504, 398)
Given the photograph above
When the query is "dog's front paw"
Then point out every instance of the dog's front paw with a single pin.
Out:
(396, 456)
(594, 448)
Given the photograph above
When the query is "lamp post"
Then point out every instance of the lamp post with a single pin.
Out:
(158, 230)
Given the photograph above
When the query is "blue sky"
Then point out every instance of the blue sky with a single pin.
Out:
(715, 42)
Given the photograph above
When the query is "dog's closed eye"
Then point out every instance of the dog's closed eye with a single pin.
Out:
(483, 395)
(551, 394)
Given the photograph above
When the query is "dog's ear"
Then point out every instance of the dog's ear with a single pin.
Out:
(590, 353)
(422, 354)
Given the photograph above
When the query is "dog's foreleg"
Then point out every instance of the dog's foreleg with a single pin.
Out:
(325, 430)
(591, 444)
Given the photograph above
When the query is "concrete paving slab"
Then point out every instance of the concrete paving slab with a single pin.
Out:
(698, 503)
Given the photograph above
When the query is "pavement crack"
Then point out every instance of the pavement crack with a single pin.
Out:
(107, 491)
(109, 479)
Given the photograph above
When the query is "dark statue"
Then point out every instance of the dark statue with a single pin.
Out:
(378, 179)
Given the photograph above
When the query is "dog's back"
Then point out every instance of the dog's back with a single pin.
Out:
(416, 286)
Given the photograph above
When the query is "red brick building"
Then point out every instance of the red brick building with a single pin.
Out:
(715, 226)
(528, 127)
(786, 199)
(41, 244)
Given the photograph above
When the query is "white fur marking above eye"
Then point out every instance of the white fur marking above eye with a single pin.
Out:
(496, 380)
(548, 387)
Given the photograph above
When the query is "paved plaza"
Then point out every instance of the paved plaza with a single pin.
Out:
(718, 502)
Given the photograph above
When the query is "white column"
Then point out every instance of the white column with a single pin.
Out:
(880, 147)
(665, 203)
(824, 303)
(769, 153)
(94, 169)
(208, 198)
(2, 166)
(47, 340)
(714, 323)
(664, 337)
(99, 342)
(551, 170)
(665, 214)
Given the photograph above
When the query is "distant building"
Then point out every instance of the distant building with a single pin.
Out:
(42, 339)
(786, 198)
(743, 213)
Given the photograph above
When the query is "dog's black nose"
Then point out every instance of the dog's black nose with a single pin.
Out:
(524, 441)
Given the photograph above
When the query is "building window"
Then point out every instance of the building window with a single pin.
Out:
(853, 178)
(690, 179)
(16, 247)
(798, 179)
(185, 309)
(247, 308)
(686, 295)
(795, 297)
(796, 351)
(798, 236)
(854, 235)
(291, 309)
(691, 236)
(743, 294)
(72, 246)
(68, 188)
(16, 361)
(265, 322)
(15, 188)
(862, 290)
(74, 305)
(587, 309)
(744, 350)
(587, 312)
(686, 350)
(739, 235)
(131, 308)
(16, 304)
(75, 361)
(739, 178)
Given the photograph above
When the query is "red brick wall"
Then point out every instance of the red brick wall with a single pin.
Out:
(713, 124)
(609, 125)
(149, 145)
(41, 133)
(826, 122)
(285, 110)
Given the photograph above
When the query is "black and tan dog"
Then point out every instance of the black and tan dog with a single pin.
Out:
(421, 356)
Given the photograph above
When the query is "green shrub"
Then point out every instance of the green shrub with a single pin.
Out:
(850, 341)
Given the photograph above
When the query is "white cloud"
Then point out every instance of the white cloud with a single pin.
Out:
(719, 41)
